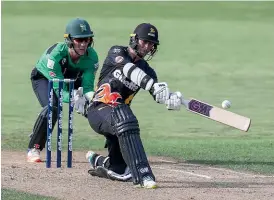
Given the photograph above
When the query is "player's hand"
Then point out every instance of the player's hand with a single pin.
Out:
(161, 92)
(175, 101)
(78, 92)
(79, 101)
(80, 104)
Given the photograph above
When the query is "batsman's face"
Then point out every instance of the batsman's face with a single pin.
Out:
(81, 45)
(145, 47)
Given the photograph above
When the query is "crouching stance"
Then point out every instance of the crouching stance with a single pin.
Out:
(73, 59)
(125, 71)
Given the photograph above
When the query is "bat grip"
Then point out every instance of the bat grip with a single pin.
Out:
(185, 102)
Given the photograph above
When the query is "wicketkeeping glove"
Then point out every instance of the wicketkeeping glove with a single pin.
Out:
(79, 101)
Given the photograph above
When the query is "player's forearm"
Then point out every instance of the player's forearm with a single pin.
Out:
(65, 92)
(159, 91)
(65, 95)
(88, 93)
(88, 84)
(138, 76)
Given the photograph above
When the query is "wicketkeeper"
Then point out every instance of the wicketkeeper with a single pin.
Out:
(125, 71)
(75, 58)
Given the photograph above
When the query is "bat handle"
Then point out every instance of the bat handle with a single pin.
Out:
(185, 102)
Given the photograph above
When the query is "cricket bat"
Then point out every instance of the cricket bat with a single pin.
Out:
(217, 114)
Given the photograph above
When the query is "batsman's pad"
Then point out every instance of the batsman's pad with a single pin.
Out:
(39, 134)
(128, 133)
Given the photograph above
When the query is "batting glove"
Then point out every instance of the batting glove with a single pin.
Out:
(175, 101)
(161, 92)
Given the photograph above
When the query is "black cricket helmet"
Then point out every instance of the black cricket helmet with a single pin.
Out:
(148, 32)
(78, 28)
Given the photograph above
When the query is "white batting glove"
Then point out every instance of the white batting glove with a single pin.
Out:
(79, 101)
(161, 92)
(175, 101)
(78, 92)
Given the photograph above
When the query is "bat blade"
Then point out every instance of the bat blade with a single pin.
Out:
(218, 114)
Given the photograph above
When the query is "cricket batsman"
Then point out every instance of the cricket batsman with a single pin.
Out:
(75, 58)
(124, 72)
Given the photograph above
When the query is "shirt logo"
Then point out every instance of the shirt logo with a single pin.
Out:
(119, 59)
(116, 50)
(104, 94)
(129, 84)
(50, 64)
(52, 74)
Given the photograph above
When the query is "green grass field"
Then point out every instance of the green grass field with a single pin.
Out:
(210, 51)
(8, 194)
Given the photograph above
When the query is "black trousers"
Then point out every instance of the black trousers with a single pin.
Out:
(100, 120)
(40, 88)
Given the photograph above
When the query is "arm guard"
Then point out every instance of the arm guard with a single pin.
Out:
(138, 76)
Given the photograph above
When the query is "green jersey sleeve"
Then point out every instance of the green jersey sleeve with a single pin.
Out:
(89, 74)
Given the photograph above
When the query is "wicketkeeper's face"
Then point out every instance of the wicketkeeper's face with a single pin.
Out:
(81, 44)
(144, 47)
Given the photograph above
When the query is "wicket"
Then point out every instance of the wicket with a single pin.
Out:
(59, 121)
